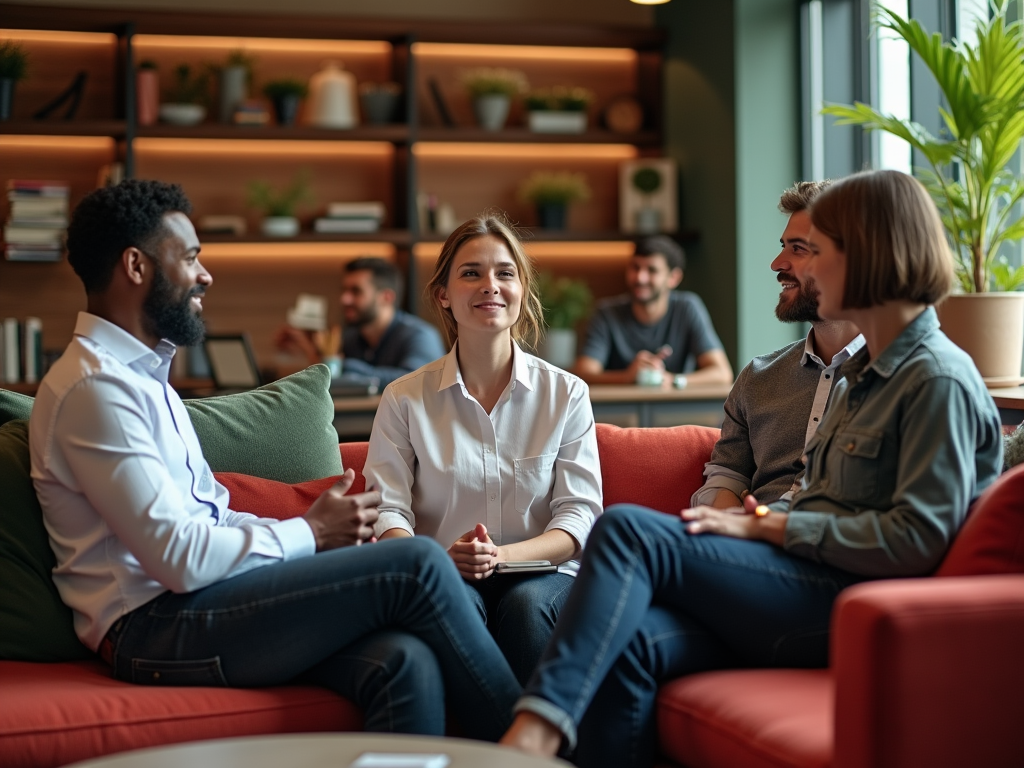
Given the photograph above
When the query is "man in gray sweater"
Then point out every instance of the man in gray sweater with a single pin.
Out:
(778, 400)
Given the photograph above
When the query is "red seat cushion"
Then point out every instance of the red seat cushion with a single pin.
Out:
(54, 714)
(992, 539)
(764, 718)
(658, 468)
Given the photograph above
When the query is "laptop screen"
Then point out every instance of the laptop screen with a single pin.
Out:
(232, 364)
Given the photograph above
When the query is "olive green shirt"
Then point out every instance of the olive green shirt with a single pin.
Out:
(911, 440)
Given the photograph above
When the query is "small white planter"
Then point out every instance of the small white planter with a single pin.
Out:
(558, 347)
(553, 121)
(280, 226)
(491, 111)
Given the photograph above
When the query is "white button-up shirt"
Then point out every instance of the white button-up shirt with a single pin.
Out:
(129, 502)
(443, 464)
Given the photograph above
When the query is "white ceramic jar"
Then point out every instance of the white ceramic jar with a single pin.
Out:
(332, 98)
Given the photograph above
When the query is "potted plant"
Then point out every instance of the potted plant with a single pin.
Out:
(647, 180)
(13, 67)
(234, 78)
(565, 302)
(969, 177)
(184, 104)
(147, 92)
(285, 95)
(558, 110)
(278, 205)
(551, 192)
(491, 90)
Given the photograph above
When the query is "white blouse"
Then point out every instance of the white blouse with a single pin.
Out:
(443, 464)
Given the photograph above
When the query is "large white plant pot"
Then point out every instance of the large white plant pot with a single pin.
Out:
(990, 328)
(558, 347)
(491, 111)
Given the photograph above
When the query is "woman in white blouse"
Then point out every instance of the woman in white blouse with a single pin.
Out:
(490, 450)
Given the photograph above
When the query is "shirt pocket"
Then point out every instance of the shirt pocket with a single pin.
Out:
(855, 467)
(533, 484)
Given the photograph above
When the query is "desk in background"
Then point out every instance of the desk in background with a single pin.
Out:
(1010, 402)
(624, 406)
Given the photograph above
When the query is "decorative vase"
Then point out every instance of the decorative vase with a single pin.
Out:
(286, 108)
(332, 98)
(6, 98)
(280, 226)
(234, 89)
(648, 220)
(559, 347)
(990, 328)
(492, 111)
(147, 96)
(556, 121)
(551, 215)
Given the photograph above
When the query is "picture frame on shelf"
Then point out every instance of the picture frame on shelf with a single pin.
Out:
(648, 199)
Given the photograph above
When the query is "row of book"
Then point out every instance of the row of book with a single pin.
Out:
(38, 220)
(351, 218)
(21, 350)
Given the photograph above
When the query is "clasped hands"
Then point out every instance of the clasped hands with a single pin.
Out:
(475, 555)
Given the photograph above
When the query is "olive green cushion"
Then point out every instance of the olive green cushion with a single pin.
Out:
(34, 624)
(282, 431)
(14, 406)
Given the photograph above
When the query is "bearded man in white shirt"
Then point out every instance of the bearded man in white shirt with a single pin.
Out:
(169, 584)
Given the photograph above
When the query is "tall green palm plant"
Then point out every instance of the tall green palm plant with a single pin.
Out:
(983, 86)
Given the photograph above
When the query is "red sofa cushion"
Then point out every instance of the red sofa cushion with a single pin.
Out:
(764, 718)
(55, 714)
(992, 539)
(658, 468)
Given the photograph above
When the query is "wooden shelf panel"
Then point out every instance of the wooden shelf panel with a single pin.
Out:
(396, 134)
(525, 136)
(538, 235)
(112, 128)
(392, 236)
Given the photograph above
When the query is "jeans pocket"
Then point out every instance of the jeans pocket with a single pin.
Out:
(192, 672)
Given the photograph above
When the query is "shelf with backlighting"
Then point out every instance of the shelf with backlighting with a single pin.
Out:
(395, 134)
(525, 136)
(392, 236)
(538, 235)
(115, 129)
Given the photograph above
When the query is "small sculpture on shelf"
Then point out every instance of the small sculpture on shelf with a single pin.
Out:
(332, 98)
(13, 67)
(558, 110)
(491, 90)
(278, 205)
(551, 192)
(285, 96)
(185, 104)
(147, 93)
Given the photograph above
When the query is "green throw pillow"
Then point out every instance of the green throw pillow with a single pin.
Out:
(282, 431)
(14, 406)
(34, 624)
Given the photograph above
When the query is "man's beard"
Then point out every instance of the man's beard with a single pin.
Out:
(363, 317)
(801, 309)
(652, 297)
(170, 318)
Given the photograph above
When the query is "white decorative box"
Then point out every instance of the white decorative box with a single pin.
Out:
(552, 121)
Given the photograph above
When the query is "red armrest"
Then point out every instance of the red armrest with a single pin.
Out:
(930, 673)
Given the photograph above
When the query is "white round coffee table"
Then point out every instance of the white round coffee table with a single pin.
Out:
(315, 750)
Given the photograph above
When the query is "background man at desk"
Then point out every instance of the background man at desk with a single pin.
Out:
(653, 327)
(779, 398)
(379, 340)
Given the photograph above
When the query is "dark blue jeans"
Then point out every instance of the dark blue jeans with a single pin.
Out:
(520, 611)
(385, 625)
(652, 602)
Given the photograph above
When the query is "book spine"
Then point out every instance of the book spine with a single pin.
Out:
(12, 352)
(33, 352)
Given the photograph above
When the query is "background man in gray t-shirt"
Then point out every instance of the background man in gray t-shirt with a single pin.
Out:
(653, 326)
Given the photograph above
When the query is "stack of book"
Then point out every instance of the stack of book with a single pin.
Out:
(38, 220)
(21, 350)
(344, 218)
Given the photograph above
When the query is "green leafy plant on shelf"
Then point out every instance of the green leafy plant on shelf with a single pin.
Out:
(494, 81)
(559, 98)
(271, 201)
(278, 89)
(565, 301)
(968, 176)
(554, 187)
(13, 61)
(188, 88)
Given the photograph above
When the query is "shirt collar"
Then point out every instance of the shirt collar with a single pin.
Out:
(125, 348)
(899, 350)
(451, 375)
(841, 356)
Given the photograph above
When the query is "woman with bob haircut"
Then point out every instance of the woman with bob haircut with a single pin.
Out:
(911, 439)
(489, 450)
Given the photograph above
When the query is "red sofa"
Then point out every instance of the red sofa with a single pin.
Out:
(925, 672)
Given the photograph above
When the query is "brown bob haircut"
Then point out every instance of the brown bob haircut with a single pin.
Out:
(890, 231)
(527, 328)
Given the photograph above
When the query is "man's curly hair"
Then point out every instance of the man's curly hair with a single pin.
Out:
(112, 219)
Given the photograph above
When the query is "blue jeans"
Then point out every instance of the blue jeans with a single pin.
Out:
(520, 612)
(384, 625)
(652, 602)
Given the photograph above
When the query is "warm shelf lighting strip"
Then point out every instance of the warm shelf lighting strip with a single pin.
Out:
(584, 249)
(264, 147)
(457, 149)
(524, 52)
(266, 44)
(16, 141)
(48, 36)
(297, 250)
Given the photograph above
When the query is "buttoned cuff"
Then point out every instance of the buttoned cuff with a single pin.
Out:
(389, 520)
(295, 537)
(804, 533)
(554, 715)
